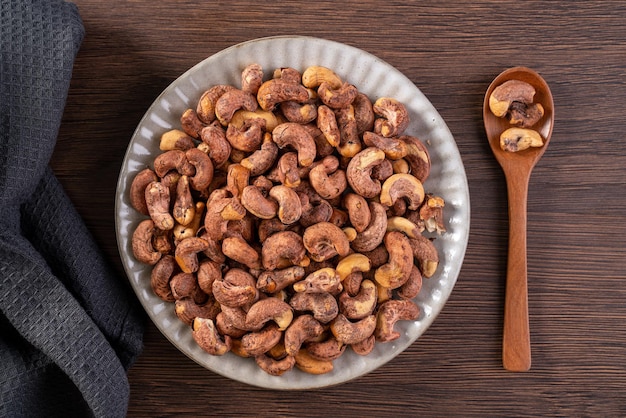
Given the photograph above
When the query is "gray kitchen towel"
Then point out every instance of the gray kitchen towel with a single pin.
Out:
(69, 327)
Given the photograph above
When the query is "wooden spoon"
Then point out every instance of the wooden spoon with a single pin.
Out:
(517, 167)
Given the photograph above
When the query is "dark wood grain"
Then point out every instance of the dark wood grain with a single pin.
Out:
(451, 51)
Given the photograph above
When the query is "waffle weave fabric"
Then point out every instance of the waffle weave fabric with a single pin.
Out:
(69, 328)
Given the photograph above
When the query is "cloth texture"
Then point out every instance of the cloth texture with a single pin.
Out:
(69, 327)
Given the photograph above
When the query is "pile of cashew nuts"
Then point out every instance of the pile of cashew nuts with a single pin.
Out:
(285, 219)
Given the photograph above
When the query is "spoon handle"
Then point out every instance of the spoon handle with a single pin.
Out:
(516, 333)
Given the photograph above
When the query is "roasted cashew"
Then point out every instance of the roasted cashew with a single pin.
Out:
(203, 169)
(325, 280)
(391, 312)
(361, 305)
(359, 172)
(404, 225)
(160, 277)
(315, 75)
(175, 139)
(515, 98)
(219, 148)
(350, 143)
(185, 285)
(417, 157)
(187, 310)
(237, 179)
(269, 309)
(235, 289)
(158, 202)
(206, 105)
(192, 125)
(425, 254)
(238, 249)
(283, 249)
(396, 272)
(393, 147)
(311, 365)
(431, 214)
(324, 241)
(277, 280)
(187, 253)
(402, 186)
(263, 158)
(252, 78)
(184, 209)
(248, 137)
(231, 101)
(394, 117)
(329, 349)
(364, 347)
(337, 98)
(138, 186)
(303, 328)
(255, 201)
(358, 211)
(363, 113)
(259, 342)
(296, 136)
(289, 206)
(208, 272)
(278, 90)
(327, 124)
(412, 287)
(327, 179)
(322, 305)
(373, 235)
(275, 367)
(299, 112)
(173, 160)
(520, 139)
(221, 208)
(352, 263)
(348, 332)
(143, 249)
(207, 337)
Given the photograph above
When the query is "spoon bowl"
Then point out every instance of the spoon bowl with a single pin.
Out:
(517, 168)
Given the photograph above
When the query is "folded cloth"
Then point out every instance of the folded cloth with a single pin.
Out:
(69, 327)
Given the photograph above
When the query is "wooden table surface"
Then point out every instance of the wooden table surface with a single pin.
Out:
(451, 51)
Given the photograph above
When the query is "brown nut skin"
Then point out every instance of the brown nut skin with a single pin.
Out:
(158, 202)
(283, 249)
(337, 98)
(187, 310)
(322, 305)
(186, 253)
(269, 309)
(275, 367)
(359, 172)
(277, 280)
(287, 171)
(208, 272)
(327, 179)
(259, 342)
(185, 285)
(402, 186)
(237, 249)
(417, 157)
(254, 200)
(248, 137)
(303, 328)
(203, 169)
(237, 178)
(404, 225)
(184, 209)
(219, 149)
(329, 349)
(350, 143)
(296, 136)
(237, 288)
(173, 160)
(289, 206)
(231, 101)
(192, 125)
(394, 117)
(352, 263)
(520, 139)
(309, 364)
(298, 112)
(314, 213)
(262, 159)
(206, 336)
(374, 234)
(348, 332)
(138, 186)
(324, 241)
(363, 113)
(315, 75)
(391, 312)
(412, 287)
(361, 305)
(323, 280)
(358, 211)
(278, 90)
(393, 147)
(175, 139)
(509, 92)
(426, 255)
(364, 347)
(327, 123)
(252, 78)
(431, 214)
(220, 209)
(525, 115)
(160, 277)
(396, 272)
(206, 105)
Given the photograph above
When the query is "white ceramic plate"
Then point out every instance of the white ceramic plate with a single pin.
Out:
(371, 76)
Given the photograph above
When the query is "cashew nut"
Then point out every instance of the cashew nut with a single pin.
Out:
(187, 310)
(158, 202)
(402, 186)
(312, 365)
(351, 263)
(175, 139)
(364, 347)
(206, 105)
(325, 279)
(350, 143)
(289, 207)
(337, 98)
(329, 349)
(263, 158)
(412, 287)
(373, 235)
(238, 249)
(207, 337)
(396, 272)
(322, 305)
(219, 149)
(348, 332)
(425, 254)
(248, 137)
(138, 190)
(327, 123)
(417, 157)
(515, 98)
(361, 305)
(324, 241)
(253, 199)
(391, 312)
(231, 101)
(359, 172)
(520, 139)
(275, 367)
(278, 90)
(185, 285)
(237, 288)
(358, 211)
(192, 125)
(295, 135)
(315, 75)
(394, 117)
(283, 249)
(327, 179)
(184, 209)
(393, 147)
(269, 309)
(303, 328)
(363, 113)
(187, 253)
(160, 277)
(208, 272)
(277, 280)
(252, 78)
(259, 342)
(173, 160)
